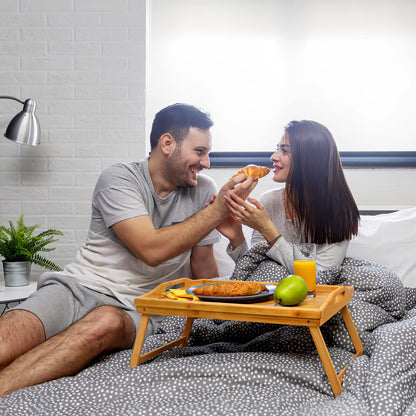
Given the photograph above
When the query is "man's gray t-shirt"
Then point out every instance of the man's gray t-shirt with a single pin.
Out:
(125, 190)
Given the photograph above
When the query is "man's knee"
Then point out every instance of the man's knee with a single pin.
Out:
(111, 319)
(110, 327)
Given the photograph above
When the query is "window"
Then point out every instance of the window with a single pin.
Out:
(255, 65)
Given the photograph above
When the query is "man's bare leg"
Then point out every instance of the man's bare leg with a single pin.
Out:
(105, 329)
(20, 331)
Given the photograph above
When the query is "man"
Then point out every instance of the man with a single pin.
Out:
(148, 223)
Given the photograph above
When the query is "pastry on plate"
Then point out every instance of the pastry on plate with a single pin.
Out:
(230, 289)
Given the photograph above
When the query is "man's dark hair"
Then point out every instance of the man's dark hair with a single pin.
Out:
(176, 120)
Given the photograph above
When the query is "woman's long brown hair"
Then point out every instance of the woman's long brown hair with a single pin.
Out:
(316, 185)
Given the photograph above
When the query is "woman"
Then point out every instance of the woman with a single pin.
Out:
(315, 206)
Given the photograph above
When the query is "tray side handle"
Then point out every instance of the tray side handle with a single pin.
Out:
(334, 297)
(335, 301)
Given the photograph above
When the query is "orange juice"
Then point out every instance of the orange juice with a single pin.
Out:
(307, 270)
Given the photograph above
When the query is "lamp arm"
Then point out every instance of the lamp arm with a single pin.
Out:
(12, 98)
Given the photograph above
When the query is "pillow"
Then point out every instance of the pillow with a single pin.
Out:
(224, 262)
(388, 239)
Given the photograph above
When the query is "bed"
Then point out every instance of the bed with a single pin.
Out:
(241, 368)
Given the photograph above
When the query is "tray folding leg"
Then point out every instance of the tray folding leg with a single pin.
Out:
(349, 323)
(138, 343)
(336, 379)
(326, 360)
(181, 342)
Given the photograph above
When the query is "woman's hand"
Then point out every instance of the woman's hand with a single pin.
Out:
(252, 214)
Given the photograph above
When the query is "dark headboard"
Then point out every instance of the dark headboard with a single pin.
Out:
(376, 212)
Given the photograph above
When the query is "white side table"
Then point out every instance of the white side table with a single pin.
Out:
(16, 294)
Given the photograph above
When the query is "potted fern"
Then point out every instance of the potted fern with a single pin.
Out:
(20, 247)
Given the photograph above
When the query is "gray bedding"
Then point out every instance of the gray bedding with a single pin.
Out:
(237, 368)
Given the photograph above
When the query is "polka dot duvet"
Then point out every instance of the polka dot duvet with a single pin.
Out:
(241, 369)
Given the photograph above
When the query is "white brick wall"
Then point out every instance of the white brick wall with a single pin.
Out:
(84, 63)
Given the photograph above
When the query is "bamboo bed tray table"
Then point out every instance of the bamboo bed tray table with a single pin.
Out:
(312, 312)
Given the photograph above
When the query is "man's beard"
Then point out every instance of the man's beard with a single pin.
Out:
(175, 171)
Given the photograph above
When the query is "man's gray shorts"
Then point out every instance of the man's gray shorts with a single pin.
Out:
(60, 301)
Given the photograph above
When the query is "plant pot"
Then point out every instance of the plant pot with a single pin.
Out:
(16, 273)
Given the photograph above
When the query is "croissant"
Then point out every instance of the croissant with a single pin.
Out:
(230, 289)
(256, 172)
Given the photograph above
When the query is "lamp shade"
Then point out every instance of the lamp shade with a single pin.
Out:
(24, 127)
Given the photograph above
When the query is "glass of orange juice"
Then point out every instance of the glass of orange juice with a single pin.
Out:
(304, 262)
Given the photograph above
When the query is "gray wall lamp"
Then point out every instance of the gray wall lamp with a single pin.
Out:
(24, 127)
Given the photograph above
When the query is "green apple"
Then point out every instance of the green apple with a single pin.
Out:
(291, 291)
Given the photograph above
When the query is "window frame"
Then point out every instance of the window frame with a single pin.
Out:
(385, 159)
